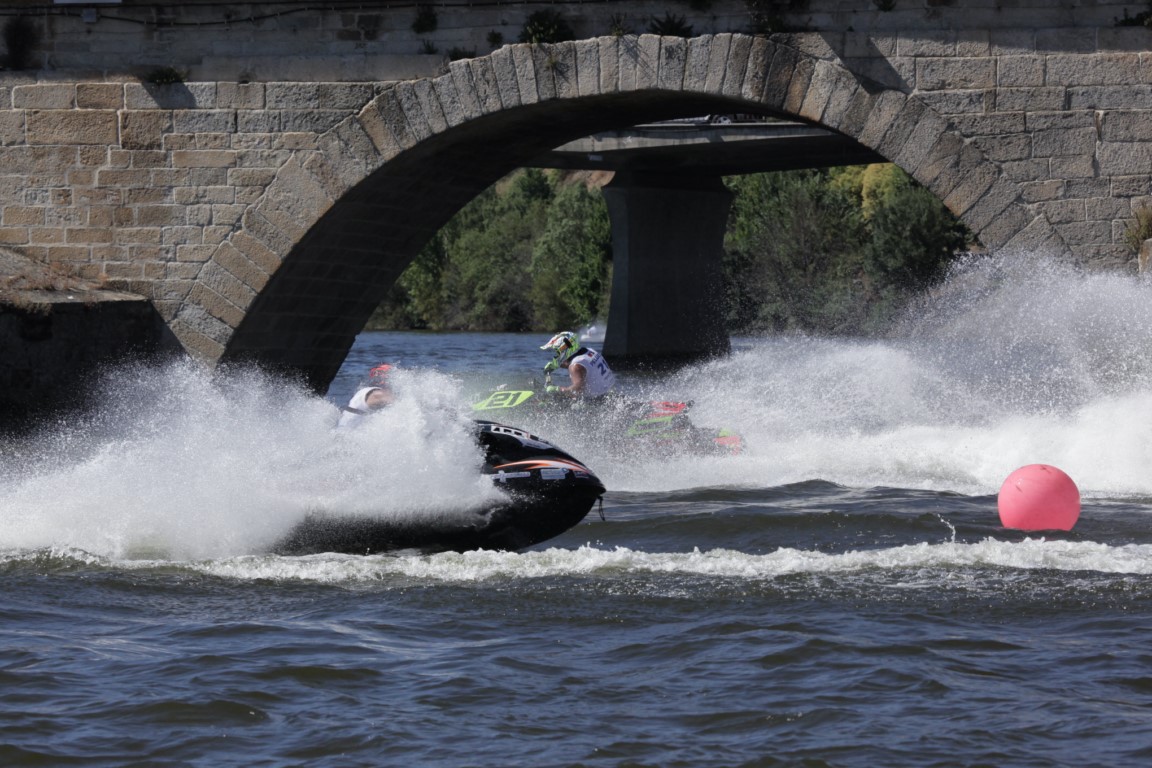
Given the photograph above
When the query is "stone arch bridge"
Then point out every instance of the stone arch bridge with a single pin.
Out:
(264, 221)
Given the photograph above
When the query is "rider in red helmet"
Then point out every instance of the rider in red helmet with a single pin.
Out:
(375, 393)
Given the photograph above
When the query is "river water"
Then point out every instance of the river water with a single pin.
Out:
(841, 594)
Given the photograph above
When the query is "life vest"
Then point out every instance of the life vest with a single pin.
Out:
(598, 378)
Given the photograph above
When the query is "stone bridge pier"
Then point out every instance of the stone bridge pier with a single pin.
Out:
(260, 209)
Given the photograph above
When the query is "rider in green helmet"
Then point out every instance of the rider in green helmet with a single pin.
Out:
(590, 374)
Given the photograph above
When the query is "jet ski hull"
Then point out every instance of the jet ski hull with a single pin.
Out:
(546, 491)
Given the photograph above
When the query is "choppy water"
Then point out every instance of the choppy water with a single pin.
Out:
(842, 594)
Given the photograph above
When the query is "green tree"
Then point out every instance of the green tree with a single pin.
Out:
(793, 247)
(570, 260)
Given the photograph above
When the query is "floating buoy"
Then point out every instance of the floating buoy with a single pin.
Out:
(1039, 497)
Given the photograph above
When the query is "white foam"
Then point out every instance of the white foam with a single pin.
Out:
(989, 557)
(188, 466)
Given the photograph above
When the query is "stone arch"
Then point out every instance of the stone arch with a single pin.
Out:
(340, 222)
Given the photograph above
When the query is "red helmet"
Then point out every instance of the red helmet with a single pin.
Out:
(378, 376)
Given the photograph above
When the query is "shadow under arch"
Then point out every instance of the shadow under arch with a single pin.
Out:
(339, 224)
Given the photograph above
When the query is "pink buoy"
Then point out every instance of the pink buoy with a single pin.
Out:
(1039, 497)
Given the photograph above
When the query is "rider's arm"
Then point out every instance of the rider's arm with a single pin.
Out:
(579, 378)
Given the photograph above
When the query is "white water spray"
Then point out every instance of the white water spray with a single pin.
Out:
(177, 464)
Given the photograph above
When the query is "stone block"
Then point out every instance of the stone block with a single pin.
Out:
(525, 75)
(647, 63)
(673, 58)
(487, 89)
(258, 121)
(926, 129)
(414, 115)
(717, 63)
(1015, 233)
(798, 86)
(1133, 96)
(241, 267)
(430, 104)
(886, 109)
(587, 68)
(1008, 147)
(971, 187)
(957, 102)
(72, 127)
(1064, 40)
(609, 64)
(15, 236)
(295, 201)
(855, 116)
(1029, 99)
(244, 96)
(818, 92)
(973, 42)
(466, 91)
(161, 215)
(442, 102)
(392, 114)
(1104, 69)
(311, 121)
(202, 121)
(1126, 125)
(565, 71)
(756, 73)
(953, 73)
(737, 66)
(193, 252)
(1085, 232)
(173, 96)
(11, 128)
(99, 96)
(256, 250)
(144, 129)
(1009, 42)
(346, 97)
(841, 99)
(294, 140)
(1107, 208)
(292, 95)
(1020, 71)
(1075, 141)
(1087, 188)
(1038, 191)
(1002, 195)
(989, 125)
(1131, 186)
(1063, 211)
(215, 304)
(927, 42)
(44, 96)
(204, 158)
(780, 71)
(22, 216)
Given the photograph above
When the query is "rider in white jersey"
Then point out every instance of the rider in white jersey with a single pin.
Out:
(375, 394)
(589, 371)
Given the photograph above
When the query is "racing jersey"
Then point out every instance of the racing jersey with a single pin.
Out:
(598, 379)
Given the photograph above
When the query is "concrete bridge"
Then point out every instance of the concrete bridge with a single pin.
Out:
(241, 217)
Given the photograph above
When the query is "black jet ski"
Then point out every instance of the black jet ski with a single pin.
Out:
(547, 492)
(651, 426)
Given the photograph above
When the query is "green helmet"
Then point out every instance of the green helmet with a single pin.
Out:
(564, 344)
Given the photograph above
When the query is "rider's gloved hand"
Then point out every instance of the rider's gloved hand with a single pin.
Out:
(551, 366)
(551, 388)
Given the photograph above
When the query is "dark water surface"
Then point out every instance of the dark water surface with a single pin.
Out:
(842, 594)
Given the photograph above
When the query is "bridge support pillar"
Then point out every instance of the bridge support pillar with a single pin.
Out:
(667, 285)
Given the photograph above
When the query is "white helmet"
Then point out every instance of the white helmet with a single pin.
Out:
(564, 344)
